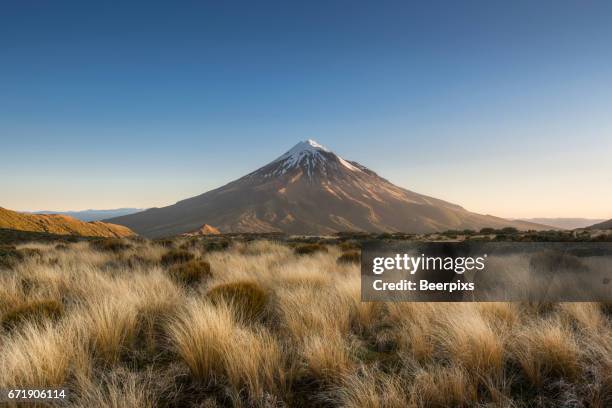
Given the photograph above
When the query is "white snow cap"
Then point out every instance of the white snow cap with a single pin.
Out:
(310, 147)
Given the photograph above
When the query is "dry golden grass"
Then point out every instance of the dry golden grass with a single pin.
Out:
(141, 324)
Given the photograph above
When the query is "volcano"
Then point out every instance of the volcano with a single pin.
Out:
(311, 190)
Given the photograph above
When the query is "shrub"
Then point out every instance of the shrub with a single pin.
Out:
(349, 257)
(37, 310)
(175, 256)
(308, 249)
(487, 231)
(248, 298)
(190, 272)
(110, 245)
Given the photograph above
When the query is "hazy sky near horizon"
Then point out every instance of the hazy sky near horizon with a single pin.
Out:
(502, 107)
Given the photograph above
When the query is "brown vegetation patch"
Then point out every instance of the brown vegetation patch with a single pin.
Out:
(352, 257)
(307, 249)
(175, 256)
(36, 310)
(191, 272)
(248, 298)
(110, 245)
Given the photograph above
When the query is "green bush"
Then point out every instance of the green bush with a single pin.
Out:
(308, 249)
(176, 256)
(190, 272)
(349, 257)
(248, 298)
(37, 310)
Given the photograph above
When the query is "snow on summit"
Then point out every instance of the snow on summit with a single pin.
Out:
(309, 152)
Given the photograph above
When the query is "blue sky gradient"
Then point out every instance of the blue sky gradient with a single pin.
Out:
(502, 107)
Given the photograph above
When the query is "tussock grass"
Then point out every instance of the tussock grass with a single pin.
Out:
(191, 272)
(349, 257)
(111, 244)
(175, 256)
(248, 299)
(307, 249)
(36, 356)
(143, 324)
(36, 310)
(547, 350)
(211, 341)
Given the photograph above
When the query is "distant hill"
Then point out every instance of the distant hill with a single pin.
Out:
(92, 215)
(602, 225)
(564, 223)
(311, 190)
(59, 225)
(203, 230)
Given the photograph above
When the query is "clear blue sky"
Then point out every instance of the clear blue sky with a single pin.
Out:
(502, 107)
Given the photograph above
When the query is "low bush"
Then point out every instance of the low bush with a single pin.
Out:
(308, 249)
(190, 272)
(175, 256)
(248, 298)
(349, 257)
(36, 310)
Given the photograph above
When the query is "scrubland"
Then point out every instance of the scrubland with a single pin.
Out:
(182, 323)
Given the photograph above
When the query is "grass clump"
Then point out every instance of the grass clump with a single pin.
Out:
(176, 256)
(190, 272)
(8, 256)
(115, 245)
(35, 310)
(352, 257)
(307, 249)
(249, 299)
(211, 246)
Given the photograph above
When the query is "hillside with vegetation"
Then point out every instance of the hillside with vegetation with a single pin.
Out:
(60, 225)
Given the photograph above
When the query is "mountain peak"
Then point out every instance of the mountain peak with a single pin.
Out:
(307, 146)
(311, 153)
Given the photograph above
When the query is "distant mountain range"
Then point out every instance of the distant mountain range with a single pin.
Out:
(564, 223)
(91, 215)
(311, 190)
(59, 225)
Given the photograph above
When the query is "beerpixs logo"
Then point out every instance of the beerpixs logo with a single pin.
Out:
(412, 264)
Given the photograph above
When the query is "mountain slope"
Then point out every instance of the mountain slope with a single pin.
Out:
(311, 190)
(564, 223)
(602, 225)
(60, 225)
